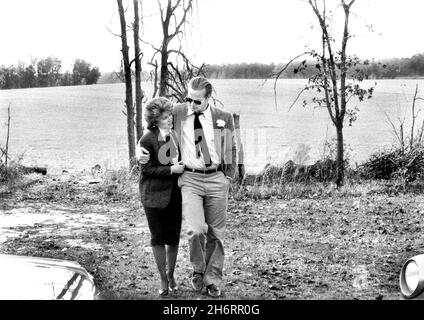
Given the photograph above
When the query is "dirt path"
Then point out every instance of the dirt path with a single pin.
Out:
(314, 248)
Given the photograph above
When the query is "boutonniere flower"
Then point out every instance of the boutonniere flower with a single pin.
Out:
(220, 123)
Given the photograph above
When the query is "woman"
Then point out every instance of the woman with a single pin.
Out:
(160, 194)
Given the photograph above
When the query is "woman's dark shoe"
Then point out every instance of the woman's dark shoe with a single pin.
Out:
(172, 285)
(163, 292)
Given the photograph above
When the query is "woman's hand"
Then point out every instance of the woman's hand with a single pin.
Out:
(141, 154)
(178, 168)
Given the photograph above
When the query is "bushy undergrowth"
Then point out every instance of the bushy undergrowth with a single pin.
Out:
(119, 184)
(320, 171)
(395, 164)
(388, 172)
(11, 176)
(324, 170)
(315, 190)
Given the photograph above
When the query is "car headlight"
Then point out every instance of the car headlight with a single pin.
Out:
(412, 277)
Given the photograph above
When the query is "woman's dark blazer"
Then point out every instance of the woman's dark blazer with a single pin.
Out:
(156, 181)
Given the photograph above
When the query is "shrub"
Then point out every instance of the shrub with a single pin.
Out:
(407, 165)
(119, 185)
(322, 170)
(12, 175)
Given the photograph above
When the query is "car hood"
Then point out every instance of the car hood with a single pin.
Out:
(32, 278)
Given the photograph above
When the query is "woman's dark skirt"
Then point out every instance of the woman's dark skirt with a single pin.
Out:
(165, 224)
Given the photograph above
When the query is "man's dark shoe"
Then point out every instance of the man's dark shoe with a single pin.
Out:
(197, 281)
(163, 292)
(213, 291)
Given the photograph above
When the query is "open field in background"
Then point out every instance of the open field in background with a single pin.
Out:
(75, 128)
(313, 243)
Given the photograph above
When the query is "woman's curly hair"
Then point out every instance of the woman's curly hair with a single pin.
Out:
(155, 108)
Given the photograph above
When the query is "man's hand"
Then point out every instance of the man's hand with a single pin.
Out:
(142, 154)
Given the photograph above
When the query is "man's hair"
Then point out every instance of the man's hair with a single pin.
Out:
(199, 83)
(155, 108)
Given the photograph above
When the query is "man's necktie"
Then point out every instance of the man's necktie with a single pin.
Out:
(200, 140)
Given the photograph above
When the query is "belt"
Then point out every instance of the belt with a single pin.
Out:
(204, 171)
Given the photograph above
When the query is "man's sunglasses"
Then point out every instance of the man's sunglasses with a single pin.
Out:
(189, 100)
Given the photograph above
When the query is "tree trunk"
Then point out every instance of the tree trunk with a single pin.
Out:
(138, 91)
(128, 86)
(163, 71)
(163, 90)
(340, 155)
(7, 138)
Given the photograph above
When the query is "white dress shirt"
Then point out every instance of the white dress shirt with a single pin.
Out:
(188, 149)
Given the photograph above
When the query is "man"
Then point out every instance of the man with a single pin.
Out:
(208, 151)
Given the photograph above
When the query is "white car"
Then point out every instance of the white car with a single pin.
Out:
(412, 278)
(32, 278)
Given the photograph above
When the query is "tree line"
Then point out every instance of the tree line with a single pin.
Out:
(380, 69)
(47, 72)
(240, 71)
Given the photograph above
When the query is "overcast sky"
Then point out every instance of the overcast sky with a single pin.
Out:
(223, 31)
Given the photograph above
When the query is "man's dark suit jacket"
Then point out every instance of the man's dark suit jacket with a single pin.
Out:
(157, 182)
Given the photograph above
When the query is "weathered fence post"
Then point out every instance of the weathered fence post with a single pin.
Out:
(240, 156)
(7, 139)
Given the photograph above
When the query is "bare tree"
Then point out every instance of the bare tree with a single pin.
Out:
(173, 70)
(415, 137)
(7, 138)
(139, 95)
(168, 15)
(128, 86)
(330, 82)
(5, 152)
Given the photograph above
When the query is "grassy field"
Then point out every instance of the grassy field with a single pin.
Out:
(321, 243)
